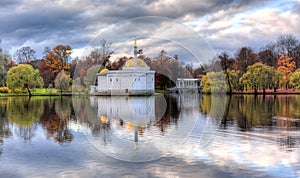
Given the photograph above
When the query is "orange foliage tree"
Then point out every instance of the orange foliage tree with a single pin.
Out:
(58, 59)
(286, 65)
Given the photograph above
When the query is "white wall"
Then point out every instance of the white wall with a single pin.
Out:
(102, 85)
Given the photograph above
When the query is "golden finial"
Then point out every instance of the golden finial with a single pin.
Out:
(134, 42)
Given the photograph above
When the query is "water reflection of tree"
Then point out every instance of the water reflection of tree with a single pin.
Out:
(56, 117)
(288, 143)
(249, 111)
(24, 112)
(287, 106)
(4, 126)
(246, 111)
(172, 112)
(213, 106)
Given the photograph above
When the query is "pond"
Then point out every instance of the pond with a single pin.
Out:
(158, 136)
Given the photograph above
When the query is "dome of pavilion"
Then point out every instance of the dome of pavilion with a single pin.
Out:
(140, 63)
(103, 71)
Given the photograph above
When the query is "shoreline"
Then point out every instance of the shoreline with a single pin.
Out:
(283, 92)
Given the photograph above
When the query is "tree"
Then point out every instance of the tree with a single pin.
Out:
(118, 63)
(62, 81)
(296, 55)
(258, 76)
(23, 77)
(5, 58)
(286, 65)
(224, 59)
(295, 79)
(90, 77)
(269, 78)
(245, 58)
(267, 57)
(287, 43)
(46, 51)
(214, 82)
(234, 76)
(200, 71)
(277, 77)
(102, 55)
(58, 59)
(3, 76)
(25, 54)
(46, 73)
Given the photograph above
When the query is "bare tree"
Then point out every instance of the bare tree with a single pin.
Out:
(25, 54)
(102, 54)
(224, 60)
(287, 43)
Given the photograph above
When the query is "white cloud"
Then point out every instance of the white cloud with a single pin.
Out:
(252, 28)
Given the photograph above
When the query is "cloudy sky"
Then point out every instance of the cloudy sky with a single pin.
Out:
(223, 25)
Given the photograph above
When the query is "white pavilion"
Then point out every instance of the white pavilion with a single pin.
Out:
(135, 78)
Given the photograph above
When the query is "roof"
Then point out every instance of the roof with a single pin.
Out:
(130, 63)
(103, 71)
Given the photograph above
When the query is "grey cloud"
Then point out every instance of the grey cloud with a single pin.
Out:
(77, 22)
(8, 3)
(232, 7)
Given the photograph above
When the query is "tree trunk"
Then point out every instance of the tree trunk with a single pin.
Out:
(29, 92)
(228, 81)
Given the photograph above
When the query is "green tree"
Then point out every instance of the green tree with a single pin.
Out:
(259, 76)
(62, 81)
(277, 77)
(214, 82)
(234, 76)
(295, 79)
(23, 77)
(90, 77)
(267, 77)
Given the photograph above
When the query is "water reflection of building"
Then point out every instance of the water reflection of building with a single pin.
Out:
(134, 113)
(188, 100)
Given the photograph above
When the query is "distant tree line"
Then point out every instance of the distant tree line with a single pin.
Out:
(274, 66)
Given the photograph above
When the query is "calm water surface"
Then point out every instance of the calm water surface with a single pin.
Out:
(187, 135)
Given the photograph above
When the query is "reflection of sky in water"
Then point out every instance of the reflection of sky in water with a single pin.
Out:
(256, 150)
(247, 152)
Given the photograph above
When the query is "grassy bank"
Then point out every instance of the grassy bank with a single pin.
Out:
(40, 92)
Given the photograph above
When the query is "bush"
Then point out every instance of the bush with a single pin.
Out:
(3, 90)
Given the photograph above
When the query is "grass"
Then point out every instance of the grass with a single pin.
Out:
(39, 92)
(45, 91)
